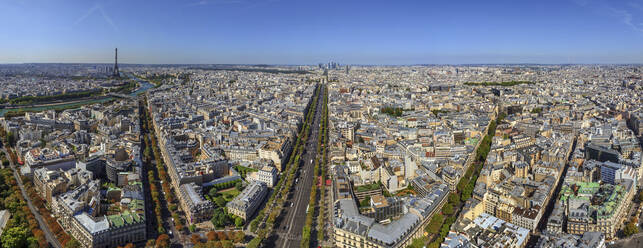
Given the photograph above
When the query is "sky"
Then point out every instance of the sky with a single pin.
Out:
(389, 32)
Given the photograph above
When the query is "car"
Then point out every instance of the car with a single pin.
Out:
(291, 204)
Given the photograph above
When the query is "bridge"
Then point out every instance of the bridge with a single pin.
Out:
(121, 96)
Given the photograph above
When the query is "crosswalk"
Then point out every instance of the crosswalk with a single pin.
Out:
(290, 237)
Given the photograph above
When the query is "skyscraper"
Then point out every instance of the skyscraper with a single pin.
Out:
(116, 74)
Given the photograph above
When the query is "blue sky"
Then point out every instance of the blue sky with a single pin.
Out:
(308, 32)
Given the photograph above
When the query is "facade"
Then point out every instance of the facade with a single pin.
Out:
(246, 203)
(596, 207)
(116, 164)
(196, 208)
(108, 231)
(382, 208)
(487, 231)
(267, 175)
(353, 229)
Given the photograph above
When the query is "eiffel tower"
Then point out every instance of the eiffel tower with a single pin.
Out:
(116, 74)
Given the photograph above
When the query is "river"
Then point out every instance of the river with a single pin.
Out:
(143, 86)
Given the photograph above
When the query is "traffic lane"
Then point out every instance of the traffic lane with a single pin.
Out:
(299, 218)
(298, 214)
(298, 190)
(295, 216)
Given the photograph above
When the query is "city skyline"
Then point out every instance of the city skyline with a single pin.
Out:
(287, 32)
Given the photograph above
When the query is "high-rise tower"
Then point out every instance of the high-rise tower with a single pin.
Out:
(116, 74)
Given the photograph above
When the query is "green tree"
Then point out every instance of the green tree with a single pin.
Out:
(227, 244)
(73, 243)
(434, 244)
(147, 152)
(537, 110)
(192, 228)
(220, 201)
(447, 209)
(239, 186)
(366, 202)
(11, 139)
(238, 222)
(219, 218)
(454, 198)
(14, 237)
(32, 242)
(418, 242)
(254, 243)
(434, 224)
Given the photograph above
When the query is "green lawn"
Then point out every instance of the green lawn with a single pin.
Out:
(367, 187)
(229, 194)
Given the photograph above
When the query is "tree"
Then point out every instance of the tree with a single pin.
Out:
(254, 243)
(163, 241)
(212, 236)
(73, 243)
(213, 192)
(641, 196)
(192, 228)
(239, 236)
(195, 238)
(239, 186)
(129, 245)
(238, 222)
(147, 152)
(219, 218)
(447, 209)
(630, 229)
(454, 198)
(418, 242)
(537, 110)
(227, 244)
(366, 202)
(15, 237)
(150, 243)
(11, 139)
(434, 244)
(221, 236)
(33, 242)
(434, 225)
(173, 207)
(444, 230)
(220, 201)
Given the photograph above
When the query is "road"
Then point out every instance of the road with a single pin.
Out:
(635, 240)
(176, 239)
(289, 228)
(51, 238)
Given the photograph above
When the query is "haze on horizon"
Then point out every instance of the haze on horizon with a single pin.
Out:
(308, 32)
